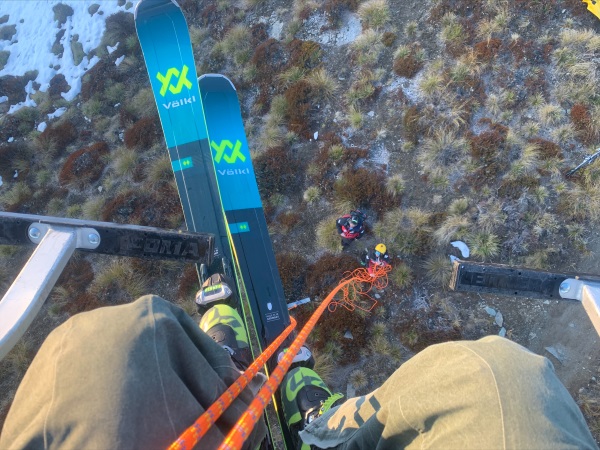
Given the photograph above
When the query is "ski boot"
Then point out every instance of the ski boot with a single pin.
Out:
(217, 289)
(303, 358)
(226, 327)
(305, 397)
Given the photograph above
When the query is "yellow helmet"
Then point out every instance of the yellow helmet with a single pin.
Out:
(381, 248)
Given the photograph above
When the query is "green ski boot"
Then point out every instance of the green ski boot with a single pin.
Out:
(224, 324)
(305, 397)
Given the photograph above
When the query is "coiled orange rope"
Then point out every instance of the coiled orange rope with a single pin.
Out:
(361, 283)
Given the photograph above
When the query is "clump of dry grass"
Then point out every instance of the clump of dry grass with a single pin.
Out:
(367, 47)
(439, 269)
(401, 275)
(441, 150)
(327, 236)
(395, 185)
(374, 13)
(453, 227)
(323, 83)
(120, 275)
(483, 244)
(358, 379)
(311, 194)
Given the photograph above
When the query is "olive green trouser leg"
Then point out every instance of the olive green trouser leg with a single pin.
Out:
(485, 394)
(123, 377)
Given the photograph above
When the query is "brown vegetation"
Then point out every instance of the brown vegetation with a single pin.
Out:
(84, 166)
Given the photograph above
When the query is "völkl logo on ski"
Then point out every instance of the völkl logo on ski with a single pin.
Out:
(235, 154)
(166, 80)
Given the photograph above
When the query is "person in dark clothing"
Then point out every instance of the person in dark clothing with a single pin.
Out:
(350, 227)
(376, 257)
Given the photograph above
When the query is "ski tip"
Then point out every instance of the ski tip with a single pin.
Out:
(147, 5)
(215, 81)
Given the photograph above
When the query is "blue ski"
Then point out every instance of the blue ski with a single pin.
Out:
(216, 182)
(167, 49)
(242, 205)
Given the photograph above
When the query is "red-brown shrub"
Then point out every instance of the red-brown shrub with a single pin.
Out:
(142, 134)
(299, 97)
(84, 166)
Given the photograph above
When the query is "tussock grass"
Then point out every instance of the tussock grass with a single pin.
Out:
(487, 28)
(323, 83)
(545, 223)
(401, 275)
(483, 244)
(142, 103)
(491, 216)
(458, 206)
(563, 133)
(581, 202)
(159, 171)
(379, 345)
(19, 358)
(443, 149)
(271, 136)
(311, 194)
(336, 152)
(120, 275)
(539, 259)
(411, 28)
(355, 117)
(395, 185)
(327, 236)
(92, 208)
(125, 161)
(432, 85)
(236, 44)
(358, 379)
(528, 163)
(290, 76)
(278, 111)
(367, 47)
(438, 269)
(453, 227)
(452, 32)
(325, 365)
(17, 194)
(374, 13)
(362, 88)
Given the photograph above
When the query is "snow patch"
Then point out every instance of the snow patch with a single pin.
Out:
(42, 126)
(119, 60)
(56, 114)
(110, 49)
(3, 99)
(11, 139)
(30, 48)
(464, 249)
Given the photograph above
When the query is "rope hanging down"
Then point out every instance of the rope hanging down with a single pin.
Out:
(351, 286)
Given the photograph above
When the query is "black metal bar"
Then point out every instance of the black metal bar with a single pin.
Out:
(115, 239)
(513, 281)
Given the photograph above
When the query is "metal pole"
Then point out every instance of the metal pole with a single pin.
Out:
(591, 303)
(25, 297)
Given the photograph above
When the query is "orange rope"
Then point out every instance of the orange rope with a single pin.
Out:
(190, 437)
(362, 283)
(244, 426)
(241, 430)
